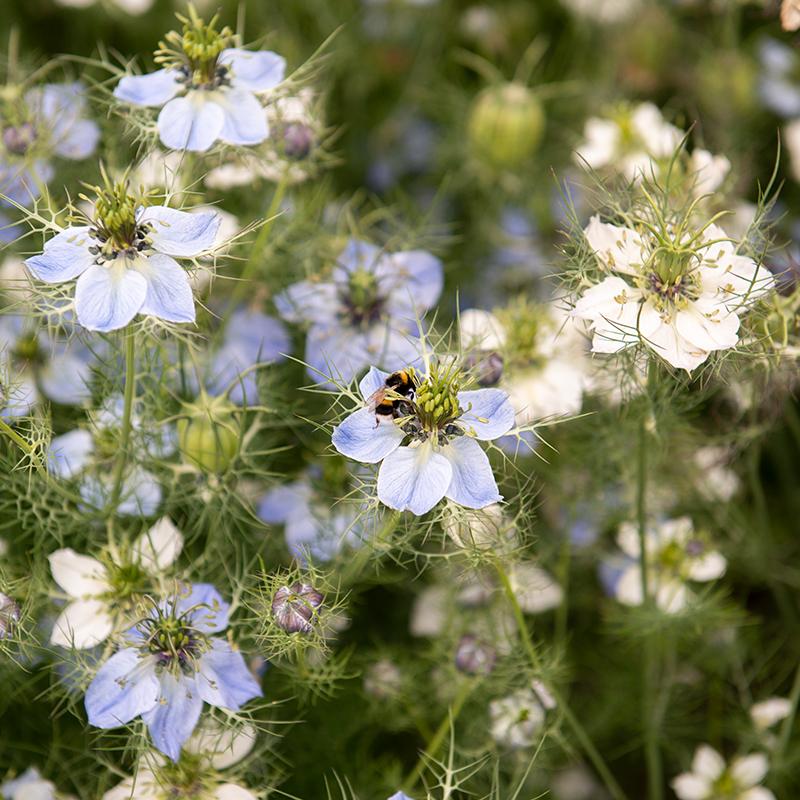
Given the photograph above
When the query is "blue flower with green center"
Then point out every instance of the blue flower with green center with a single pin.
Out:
(171, 665)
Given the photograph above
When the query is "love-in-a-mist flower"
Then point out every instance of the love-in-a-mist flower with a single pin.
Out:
(209, 89)
(676, 557)
(30, 786)
(516, 721)
(101, 591)
(169, 665)
(198, 773)
(367, 312)
(129, 6)
(711, 778)
(428, 447)
(44, 123)
(777, 83)
(678, 292)
(124, 259)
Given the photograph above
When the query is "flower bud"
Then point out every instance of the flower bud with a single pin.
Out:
(487, 367)
(506, 125)
(474, 656)
(207, 436)
(19, 138)
(9, 616)
(298, 140)
(294, 607)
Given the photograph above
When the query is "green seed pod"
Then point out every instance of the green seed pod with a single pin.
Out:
(207, 437)
(506, 125)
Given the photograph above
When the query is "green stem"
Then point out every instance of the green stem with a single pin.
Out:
(435, 742)
(127, 413)
(788, 723)
(362, 556)
(578, 730)
(257, 250)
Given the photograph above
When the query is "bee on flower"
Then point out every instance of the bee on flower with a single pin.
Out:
(424, 429)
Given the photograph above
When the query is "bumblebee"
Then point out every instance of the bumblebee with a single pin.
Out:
(396, 392)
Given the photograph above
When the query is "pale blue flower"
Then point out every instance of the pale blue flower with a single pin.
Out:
(193, 117)
(116, 283)
(170, 665)
(367, 312)
(778, 83)
(316, 526)
(422, 460)
(251, 338)
(400, 796)
(28, 786)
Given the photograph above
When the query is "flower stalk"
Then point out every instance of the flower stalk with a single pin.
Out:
(127, 412)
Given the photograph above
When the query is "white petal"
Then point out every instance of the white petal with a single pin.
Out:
(472, 483)
(628, 540)
(711, 329)
(190, 123)
(374, 379)
(65, 256)
(78, 575)
(69, 453)
(708, 567)
(169, 292)
(708, 763)
(628, 589)
(257, 70)
(82, 624)
(750, 770)
(617, 248)
(770, 711)
(153, 89)
(231, 791)
(159, 547)
(181, 233)
(674, 349)
(226, 746)
(365, 437)
(245, 118)
(414, 479)
(108, 298)
(757, 793)
(480, 329)
(691, 787)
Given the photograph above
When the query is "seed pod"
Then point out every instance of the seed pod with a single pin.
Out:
(294, 607)
(298, 141)
(506, 125)
(9, 616)
(19, 138)
(208, 436)
(474, 657)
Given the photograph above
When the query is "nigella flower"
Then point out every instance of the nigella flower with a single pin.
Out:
(123, 260)
(170, 664)
(712, 779)
(97, 590)
(296, 607)
(679, 295)
(48, 121)
(428, 447)
(28, 786)
(516, 721)
(208, 89)
(210, 749)
(777, 83)
(676, 556)
(367, 312)
(130, 6)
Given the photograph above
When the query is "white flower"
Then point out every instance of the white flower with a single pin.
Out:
(709, 170)
(630, 143)
(218, 747)
(128, 267)
(516, 721)
(604, 12)
(92, 586)
(675, 555)
(682, 303)
(770, 712)
(480, 330)
(716, 480)
(535, 589)
(130, 6)
(482, 528)
(712, 779)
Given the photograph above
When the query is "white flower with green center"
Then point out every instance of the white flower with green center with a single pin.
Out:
(680, 295)
(428, 449)
(712, 779)
(676, 555)
(98, 590)
(124, 260)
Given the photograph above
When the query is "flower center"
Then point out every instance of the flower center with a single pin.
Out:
(188, 779)
(726, 787)
(26, 348)
(670, 278)
(194, 52)
(126, 580)
(18, 139)
(174, 642)
(361, 298)
(114, 226)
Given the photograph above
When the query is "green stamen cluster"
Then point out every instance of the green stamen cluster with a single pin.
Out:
(27, 348)
(670, 277)
(437, 398)
(188, 779)
(196, 49)
(174, 642)
(115, 214)
(126, 580)
(726, 787)
(523, 323)
(363, 302)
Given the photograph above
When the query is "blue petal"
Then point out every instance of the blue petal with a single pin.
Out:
(487, 411)
(245, 118)
(223, 678)
(414, 479)
(69, 453)
(473, 484)
(181, 233)
(357, 255)
(108, 298)
(374, 379)
(258, 70)
(66, 376)
(307, 301)
(169, 293)
(190, 123)
(153, 89)
(414, 278)
(365, 437)
(336, 353)
(209, 611)
(263, 338)
(176, 714)
(141, 494)
(278, 504)
(65, 256)
(124, 687)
